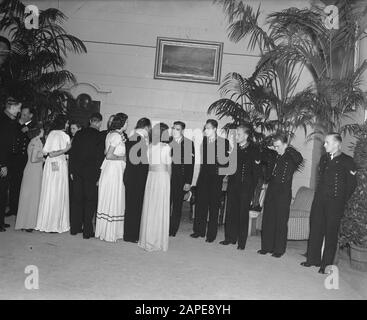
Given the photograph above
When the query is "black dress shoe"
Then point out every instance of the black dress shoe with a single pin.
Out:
(172, 234)
(322, 270)
(209, 240)
(6, 225)
(194, 235)
(276, 255)
(307, 264)
(227, 242)
(262, 251)
(28, 230)
(86, 236)
(2, 229)
(240, 247)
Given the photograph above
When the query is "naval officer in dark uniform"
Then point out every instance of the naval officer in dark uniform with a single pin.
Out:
(215, 158)
(241, 186)
(336, 184)
(278, 198)
(19, 156)
(183, 161)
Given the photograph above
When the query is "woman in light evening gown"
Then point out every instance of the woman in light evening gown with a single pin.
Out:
(154, 226)
(53, 211)
(111, 189)
(31, 185)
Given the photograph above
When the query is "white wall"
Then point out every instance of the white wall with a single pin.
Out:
(121, 37)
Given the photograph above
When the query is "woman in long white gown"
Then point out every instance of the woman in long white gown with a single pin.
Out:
(111, 189)
(154, 226)
(53, 211)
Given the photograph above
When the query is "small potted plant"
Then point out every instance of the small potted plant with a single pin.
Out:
(353, 232)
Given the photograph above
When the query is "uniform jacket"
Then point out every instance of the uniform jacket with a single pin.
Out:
(248, 166)
(8, 134)
(285, 166)
(214, 155)
(183, 159)
(87, 152)
(337, 176)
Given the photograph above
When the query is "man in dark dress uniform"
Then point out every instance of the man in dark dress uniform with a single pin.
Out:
(8, 134)
(183, 161)
(85, 159)
(19, 156)
(336, 184)
(241, 186)
(268, 158)
(215, 156)
(278, 198)
(135, 177)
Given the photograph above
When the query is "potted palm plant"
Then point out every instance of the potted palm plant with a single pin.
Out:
(353, 232)
(35, 71)
(296, 39)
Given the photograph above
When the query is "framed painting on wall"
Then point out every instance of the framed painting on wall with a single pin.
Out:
(188, 60)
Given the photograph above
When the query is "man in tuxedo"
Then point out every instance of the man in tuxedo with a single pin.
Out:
(214, 157)
(85, 158)
(135, 177)
(278, 198)
(337, 182)
(8, 135)
(183, 161)
(19, 156)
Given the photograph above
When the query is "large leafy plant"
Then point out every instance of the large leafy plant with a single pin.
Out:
(35, 70)
(354, 223)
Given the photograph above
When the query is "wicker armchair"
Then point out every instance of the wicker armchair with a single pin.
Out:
(299, 216)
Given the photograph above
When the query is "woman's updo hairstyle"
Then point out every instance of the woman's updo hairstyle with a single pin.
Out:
(118, 121)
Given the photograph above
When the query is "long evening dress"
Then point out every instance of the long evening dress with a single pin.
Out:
(154, 226)
(30, 189)
(111, 193)
(53, 211)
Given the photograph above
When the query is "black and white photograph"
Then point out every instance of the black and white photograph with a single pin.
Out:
(183, 156)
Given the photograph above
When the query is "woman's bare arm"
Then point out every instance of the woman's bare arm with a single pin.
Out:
(111, 156)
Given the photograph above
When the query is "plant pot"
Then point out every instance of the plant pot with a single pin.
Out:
(358, 257)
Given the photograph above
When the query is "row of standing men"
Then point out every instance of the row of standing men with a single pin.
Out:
(336, 184)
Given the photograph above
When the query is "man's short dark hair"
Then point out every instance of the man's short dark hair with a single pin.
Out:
(213, 122)
(31, 109)
(6, 41)
(143, 123)
(11, 101)
(181, 124)
(247, 128)
(95, 117)
(280, 136)
(336, 136)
